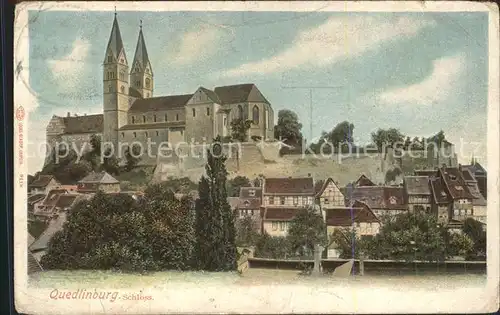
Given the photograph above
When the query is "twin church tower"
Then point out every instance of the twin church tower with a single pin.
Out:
(132, 115)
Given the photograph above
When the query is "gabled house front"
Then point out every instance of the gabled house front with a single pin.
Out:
(418, 193)
(43, 184)
(382, 200)
(458, 190)
(479, 204)
(101, 181)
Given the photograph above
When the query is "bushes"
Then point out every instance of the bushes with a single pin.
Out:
(274, 247)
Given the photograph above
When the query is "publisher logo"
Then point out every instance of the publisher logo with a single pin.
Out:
(20, 113)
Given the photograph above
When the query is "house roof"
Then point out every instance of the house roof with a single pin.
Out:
(159, 103)
(361, 213)
(211, 94)
(476, 169)
(65, 201)
(380, 197)
(41, 181)
(299, 186)
(438, 191)
(83, 124)
(161, 125)
(54, 226)
(417, 185)
(364, 181)
(249, 203)
(99, 178)
(280, 214)
(31, 239)
(467, 175)
(35, 198)
(474, 190)
(455, 183)
(245, 192)
(239, 93)
(325, 184)
(428, 173)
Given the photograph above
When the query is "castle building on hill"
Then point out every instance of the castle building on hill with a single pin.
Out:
(131, 113)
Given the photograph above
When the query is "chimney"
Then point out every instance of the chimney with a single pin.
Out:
(69, 114)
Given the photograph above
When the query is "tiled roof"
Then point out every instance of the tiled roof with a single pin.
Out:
(428, 173)
(134, 93)
(342, 216)
(474, 190)
(245, 192)
(162, 125)
(83, 124)
(55, 226)
(35, 198)
(476, 169)
(65, 201)
(249, 203)
(211, 94)
(41, 181)
(438, 191)
(364, 181)
(455, 183)
(467, 175)
(100, 178)
(417, 185)
(319, 191)
(380, 197)
(159, 103)
(52, 197)
(280, 214)
(240, 93)
(289, 185)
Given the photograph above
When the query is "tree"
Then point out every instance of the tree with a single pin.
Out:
(342, 240)
(181, 185)
(459, 245)
(110, 163)
(437, 139)
(246, 231)
(234, 185)
(474, 230)
(342, 133)
(307, 229)
(390, 138)
(239, 129)
(132, 154)
(288, 127)
(171, 227)
(216, 248)
(392, 174)
(409, 236)
(273, 247)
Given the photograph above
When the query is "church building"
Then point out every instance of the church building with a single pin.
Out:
(132, 113)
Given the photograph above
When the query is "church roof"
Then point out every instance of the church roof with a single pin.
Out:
(160, 103)
(115, 43)
(141, 53)
(231, 94)
(211, 94)
(161, 125)
(83, 124)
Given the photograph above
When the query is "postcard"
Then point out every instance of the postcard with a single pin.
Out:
(256, 157)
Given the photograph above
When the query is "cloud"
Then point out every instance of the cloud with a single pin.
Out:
(337, 39)
(68, 70)
(436, 88)
(197, 45)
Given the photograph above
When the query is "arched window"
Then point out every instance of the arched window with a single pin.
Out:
(177, 117)
(154, 118)
(166, 117)
(157, 133)
(144, 119)
(122, 89)
(255, 115)
(138, 83)
(123, 134)
(135, 135)
(148, 83)
(122, 75)
(146, 134)
(110, 89)
(194, 112)
(208, 111)
(133, 119)
(240, 112)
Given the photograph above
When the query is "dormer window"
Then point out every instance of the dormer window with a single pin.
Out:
(251, 193)
(459, 188)
(392, 200)
(246, 203)
(453, 177)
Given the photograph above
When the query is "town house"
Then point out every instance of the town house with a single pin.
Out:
(480, 175)
(418, 193)
(383, 200)
(281, 200)
(98, 181)
(459, 193)
(479, 204)
(43, 184)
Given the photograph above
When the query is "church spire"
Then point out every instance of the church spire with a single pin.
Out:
(115, 43)
(141, 58)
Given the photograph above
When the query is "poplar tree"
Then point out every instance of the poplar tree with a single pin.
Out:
(215, 230)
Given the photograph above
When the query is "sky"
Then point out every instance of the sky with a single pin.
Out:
(418, 72)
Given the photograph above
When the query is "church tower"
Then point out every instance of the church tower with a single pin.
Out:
(141, 75)
(116, 86)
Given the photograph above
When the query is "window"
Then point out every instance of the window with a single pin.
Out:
(208, 111)
(110, 89)
(255, 115)
(275, 226)
(135, 135)
(133, 119)
(157, 133)
(194, 112)
(295, 200)
(144, 119)
(392, 200)
(154, 118)
(251, 212)
(326, 201)
(455, 212)
(271, 200)
(146, 134)
(148, 83)
(123, 135)
(110, 58)
(122, 75)
(251, 193)
(138, 83)
(282, 200)
(282, 226)
(182, 132)
(122, 89)
(147, 94)
(304, 201)
(177, 117)
(240, 112)
(166, 117)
